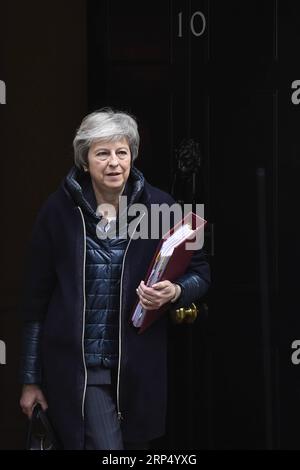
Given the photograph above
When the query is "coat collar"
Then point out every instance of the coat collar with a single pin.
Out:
(79, 187)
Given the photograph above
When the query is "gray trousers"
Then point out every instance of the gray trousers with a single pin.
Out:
(102, 427)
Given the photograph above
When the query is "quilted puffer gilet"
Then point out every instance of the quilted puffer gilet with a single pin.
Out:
(104, 257)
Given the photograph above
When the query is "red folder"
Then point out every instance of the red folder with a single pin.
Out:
(177, 265)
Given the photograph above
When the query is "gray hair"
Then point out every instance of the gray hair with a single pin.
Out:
(105, 124)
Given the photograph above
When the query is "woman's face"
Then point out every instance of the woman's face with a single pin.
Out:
(109, 164)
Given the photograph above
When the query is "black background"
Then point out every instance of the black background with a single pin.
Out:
(232, 384)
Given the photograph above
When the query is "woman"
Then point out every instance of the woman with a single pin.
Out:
(103, 384)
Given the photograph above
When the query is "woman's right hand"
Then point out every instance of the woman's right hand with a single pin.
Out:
(31, 395)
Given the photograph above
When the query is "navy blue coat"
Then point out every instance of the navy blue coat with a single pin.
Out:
(54, 294)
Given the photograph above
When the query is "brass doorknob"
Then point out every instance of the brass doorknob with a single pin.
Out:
(185, 314)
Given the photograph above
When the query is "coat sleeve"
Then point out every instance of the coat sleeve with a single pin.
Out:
(31, 368)
(38, 285)
(40, 278)
(195, 282)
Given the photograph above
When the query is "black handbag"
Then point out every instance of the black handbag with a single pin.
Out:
(41, 435)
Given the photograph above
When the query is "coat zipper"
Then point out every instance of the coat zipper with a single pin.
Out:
(120, 417)
(83, 316)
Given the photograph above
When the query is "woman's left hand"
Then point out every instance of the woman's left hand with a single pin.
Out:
(158, 294)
